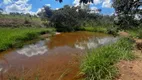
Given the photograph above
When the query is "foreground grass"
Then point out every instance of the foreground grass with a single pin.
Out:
(99, 63)
(15, 37)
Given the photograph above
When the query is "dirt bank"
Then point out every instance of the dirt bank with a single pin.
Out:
(131, 70)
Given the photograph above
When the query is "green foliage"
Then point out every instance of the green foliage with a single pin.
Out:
(95, 29)
(99, 63)
(14, 37)
(113, 31)
(65, 19)
(140, 35)
(74, 18)
(45, 13)
(126, 11)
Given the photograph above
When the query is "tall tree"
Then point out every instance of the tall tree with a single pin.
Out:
(65, 19)
(126, 11)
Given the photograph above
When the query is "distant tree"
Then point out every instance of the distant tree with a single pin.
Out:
(65, 19)
(45, 13)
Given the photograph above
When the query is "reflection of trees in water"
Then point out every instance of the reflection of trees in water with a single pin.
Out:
(34, 49)
(95, 42)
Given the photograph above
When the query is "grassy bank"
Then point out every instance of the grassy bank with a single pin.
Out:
(101, 29)
(15, 37)
(135, 33)
(94, 29)
(99, 63)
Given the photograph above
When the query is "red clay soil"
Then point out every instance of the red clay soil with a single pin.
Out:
(130, 70)
(124, 34)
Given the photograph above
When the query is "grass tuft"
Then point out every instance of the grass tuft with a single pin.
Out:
(99, 63)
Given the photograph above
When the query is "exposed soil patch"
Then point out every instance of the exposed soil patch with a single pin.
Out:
(131, 70)
(124, 34)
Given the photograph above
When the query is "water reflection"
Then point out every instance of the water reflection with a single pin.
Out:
(69, 39)
(81, 42)
(95, 42)
(34, 49)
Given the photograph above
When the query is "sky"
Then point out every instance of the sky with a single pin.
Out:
(35, 6)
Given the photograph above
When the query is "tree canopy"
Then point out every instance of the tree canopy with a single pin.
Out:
(126, 11)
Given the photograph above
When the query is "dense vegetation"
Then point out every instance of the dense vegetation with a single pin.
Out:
(69, 18)
(128, 13)
(99, 63)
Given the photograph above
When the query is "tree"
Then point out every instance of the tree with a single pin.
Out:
(126, 11)
(45, 13)
(65, 19)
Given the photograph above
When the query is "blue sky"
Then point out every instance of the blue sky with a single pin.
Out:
(34, 6)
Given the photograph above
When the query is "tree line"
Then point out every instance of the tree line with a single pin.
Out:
(70, 18)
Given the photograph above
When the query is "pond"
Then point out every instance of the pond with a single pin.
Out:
(55, 58)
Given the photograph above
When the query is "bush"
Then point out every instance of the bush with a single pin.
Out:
(65, 20)
(113, 31)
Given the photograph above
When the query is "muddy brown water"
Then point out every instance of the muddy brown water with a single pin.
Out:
(56, 58)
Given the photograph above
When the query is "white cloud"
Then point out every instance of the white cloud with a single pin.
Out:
(39, 10)
(7, 1)
(48, 5)
(107, 4)
(94, 10)
(97, 2)
(57, 9)
(76, 3)
(21, 2)
(20, 6)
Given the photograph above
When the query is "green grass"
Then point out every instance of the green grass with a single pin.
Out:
(102, 29)
(94, 29)
(135, 33)
(15, 37)
(99, 63)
